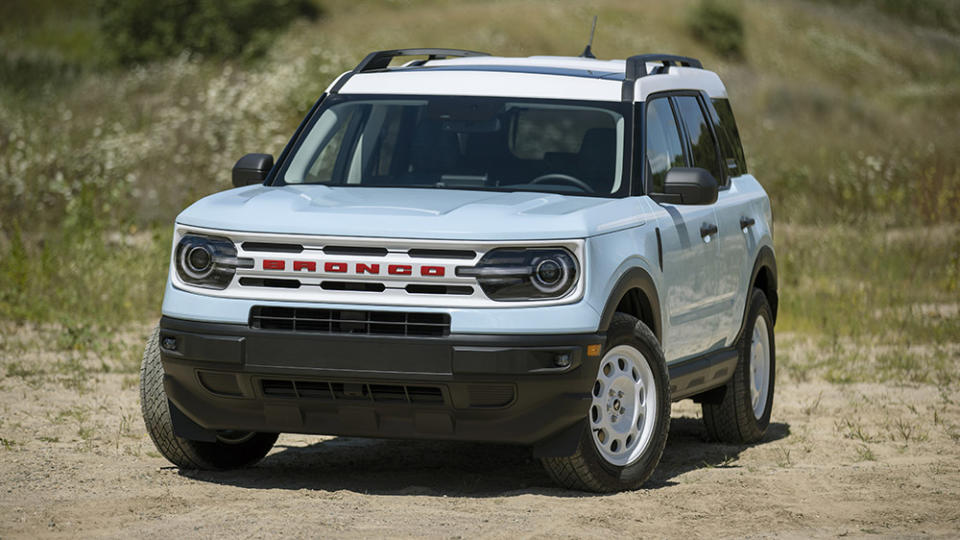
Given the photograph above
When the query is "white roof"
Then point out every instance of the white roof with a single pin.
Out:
(550, 77)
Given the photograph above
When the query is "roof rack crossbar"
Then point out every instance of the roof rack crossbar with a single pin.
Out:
(637, 67)
(381, 59)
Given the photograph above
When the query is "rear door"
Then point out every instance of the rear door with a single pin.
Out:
(689, 257)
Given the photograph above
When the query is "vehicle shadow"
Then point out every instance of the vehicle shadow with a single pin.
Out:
(449, 468)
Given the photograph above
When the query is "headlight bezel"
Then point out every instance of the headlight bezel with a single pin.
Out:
(222, 261)
(516, 274)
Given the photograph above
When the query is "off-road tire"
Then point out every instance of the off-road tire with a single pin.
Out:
(731, 419)
(587, 470)
(185, 453)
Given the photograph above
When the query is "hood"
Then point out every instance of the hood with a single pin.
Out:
(411, 213)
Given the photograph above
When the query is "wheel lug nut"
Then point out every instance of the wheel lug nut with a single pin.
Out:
(619, 394)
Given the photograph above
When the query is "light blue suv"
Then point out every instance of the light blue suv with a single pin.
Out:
(544, 251)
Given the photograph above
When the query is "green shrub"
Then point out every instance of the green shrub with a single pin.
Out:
(144, 30)
(943, 14)
(719, 26)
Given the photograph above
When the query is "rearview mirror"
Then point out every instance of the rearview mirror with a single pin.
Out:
(252, 169)
(688, 185)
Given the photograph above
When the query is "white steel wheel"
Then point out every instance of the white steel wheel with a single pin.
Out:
(623, 411)
(759, 367)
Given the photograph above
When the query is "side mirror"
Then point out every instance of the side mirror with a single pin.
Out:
(252, 169)
(685, 185)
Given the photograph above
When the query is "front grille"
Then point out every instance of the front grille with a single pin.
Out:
(443, 253)
(270, 282)
(412, 274)
(363, 286)
(342, 321)
(356, 251)
(439, 289)
(339, 391)
(272, 246)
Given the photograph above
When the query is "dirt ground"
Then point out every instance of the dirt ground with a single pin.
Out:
(839, 460)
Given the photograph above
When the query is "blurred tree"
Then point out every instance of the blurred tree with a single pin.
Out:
(144, 30)
(719, 26)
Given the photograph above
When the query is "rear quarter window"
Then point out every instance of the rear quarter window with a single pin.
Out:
(726, 127)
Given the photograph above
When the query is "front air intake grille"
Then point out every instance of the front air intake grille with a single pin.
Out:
(339, 391)
(342, 321)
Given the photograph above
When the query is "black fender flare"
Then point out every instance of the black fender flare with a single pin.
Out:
(765, 261)
(634, 278)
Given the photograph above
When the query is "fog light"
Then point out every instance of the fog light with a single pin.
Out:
(169, 343)
(562, 360)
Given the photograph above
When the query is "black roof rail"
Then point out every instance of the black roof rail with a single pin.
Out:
(637, 67)
(379, 60)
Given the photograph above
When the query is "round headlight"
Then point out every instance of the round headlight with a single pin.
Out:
(549, 275)
(197, 261)
(200, 260)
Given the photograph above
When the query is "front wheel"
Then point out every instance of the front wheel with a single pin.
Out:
(629, 416)
(232, 449)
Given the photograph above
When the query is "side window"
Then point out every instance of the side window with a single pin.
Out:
(664, 149)
(729, 136)
(703, 148)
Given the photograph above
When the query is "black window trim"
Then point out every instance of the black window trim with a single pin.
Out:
(724, 183)
(644, 184)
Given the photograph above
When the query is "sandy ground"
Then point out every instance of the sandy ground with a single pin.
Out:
(838, 460)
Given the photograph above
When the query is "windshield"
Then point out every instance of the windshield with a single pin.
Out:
(464, 142)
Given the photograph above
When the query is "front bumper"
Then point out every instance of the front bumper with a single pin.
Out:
(497, 388)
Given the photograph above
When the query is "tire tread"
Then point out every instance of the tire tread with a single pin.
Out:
(731, 420)
(185, 453)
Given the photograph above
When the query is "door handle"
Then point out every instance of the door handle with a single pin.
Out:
(746, 222)
(707, 229)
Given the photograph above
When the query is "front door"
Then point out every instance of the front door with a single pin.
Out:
(689, 248)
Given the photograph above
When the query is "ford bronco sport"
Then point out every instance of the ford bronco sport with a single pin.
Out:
(544, 251)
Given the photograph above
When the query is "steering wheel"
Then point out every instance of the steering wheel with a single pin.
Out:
(566, 178)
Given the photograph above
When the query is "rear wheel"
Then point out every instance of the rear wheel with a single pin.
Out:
(232, 449)
(629, 416)
(742, 414)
